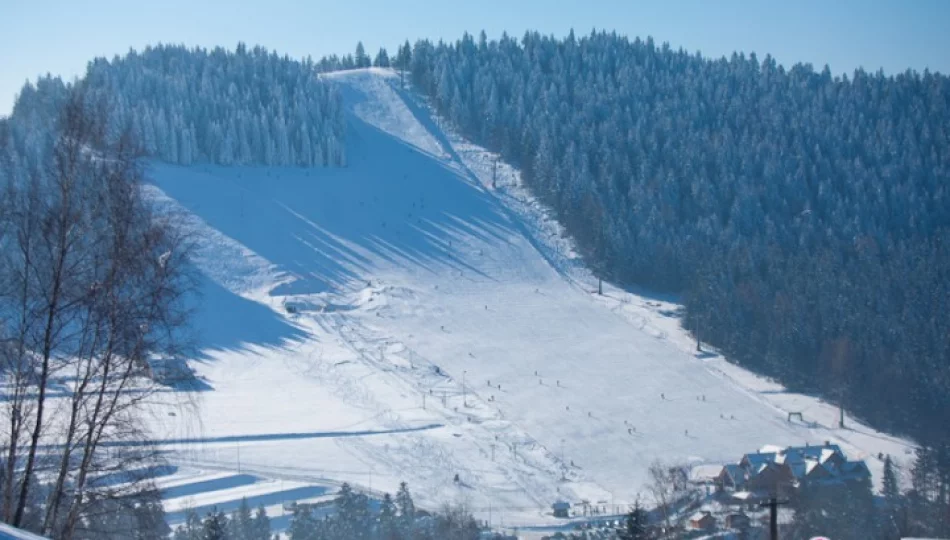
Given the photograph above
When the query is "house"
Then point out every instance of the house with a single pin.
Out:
(753, 462)
(738, 521)
(704, 475)
(771, 477)
(816, 472)
(774, 469)
(852, 471)
(732, 476)
(722, 477)
(702, 521)
(561, 509)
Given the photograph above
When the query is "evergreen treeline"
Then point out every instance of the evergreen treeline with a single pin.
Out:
(352, 517)
(361, 59)
(249, 106)
(804, 217)
(243, 524)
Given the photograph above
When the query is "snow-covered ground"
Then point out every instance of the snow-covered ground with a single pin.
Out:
(402, 319)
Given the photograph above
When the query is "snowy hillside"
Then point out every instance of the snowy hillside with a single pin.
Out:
(403, 319)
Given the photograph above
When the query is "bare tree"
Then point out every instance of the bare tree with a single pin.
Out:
(98, 285)
(667, 484)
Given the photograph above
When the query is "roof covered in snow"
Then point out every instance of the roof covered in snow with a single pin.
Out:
(699, 515)
(705, 473)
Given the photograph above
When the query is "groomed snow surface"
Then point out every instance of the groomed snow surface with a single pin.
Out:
(400, 319)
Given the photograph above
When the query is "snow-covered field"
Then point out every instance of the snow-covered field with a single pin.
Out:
(401, 319)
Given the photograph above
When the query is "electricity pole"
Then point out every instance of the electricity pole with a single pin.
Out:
(773, 505)
(563, 472)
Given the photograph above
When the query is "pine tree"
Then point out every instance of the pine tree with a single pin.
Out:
(891, 489)
(215, 526)
(404, 56)
(241, 522)
(150, 521)
(894, 517)
(388, 529)
(192, 529)
(352, 512)
(382, 59)
(635, 525)
(403, 62)
(407, 509)
(260, 530)
(302, 524)
(360, 57)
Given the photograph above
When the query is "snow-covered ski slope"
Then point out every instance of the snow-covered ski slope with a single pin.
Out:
(402, 319)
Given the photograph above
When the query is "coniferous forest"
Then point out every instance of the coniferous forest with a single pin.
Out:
(242, 107)
(803, 217)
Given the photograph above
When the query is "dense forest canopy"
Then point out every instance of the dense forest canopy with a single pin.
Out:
(804, 217)
(247, 106)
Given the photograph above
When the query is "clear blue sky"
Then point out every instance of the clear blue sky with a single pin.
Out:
(60, 36)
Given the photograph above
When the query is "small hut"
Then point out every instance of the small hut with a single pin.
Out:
(561, 509)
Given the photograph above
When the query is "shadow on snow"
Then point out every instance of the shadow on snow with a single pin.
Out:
(330, 227)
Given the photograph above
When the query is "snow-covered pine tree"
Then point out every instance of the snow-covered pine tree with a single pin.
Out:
(382, 59)
(191, 105)
(215, 526)
(260, 529)
(407, 509)
(360, 59)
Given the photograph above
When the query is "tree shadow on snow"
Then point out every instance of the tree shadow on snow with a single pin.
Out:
(330, 228)
(224, 321)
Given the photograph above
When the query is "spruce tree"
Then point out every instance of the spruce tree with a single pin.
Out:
(215, 526)
(191, 529)
(382, 59)
(260, 529)
(891, 488)
(150, 521)
(302, 524)
(352, 512)
(407, 510)
(388, 529)
(241, 523)
(404, 56)
(360, 58)
(635, 525)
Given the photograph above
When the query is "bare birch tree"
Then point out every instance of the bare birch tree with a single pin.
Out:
(667, 484)
(96, 285)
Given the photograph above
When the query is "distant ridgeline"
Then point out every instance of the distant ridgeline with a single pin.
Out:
(247, 107)
(805, 218)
